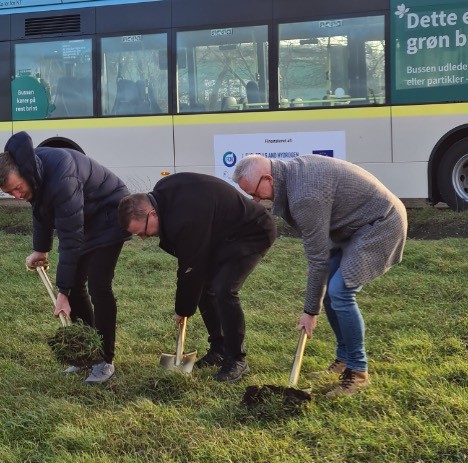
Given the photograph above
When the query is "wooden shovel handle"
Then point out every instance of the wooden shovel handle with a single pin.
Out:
(180, 340)
(297, 363)
(64, 318)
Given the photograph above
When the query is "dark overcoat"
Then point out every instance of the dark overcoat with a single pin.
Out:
(73, 194)
(204, 222)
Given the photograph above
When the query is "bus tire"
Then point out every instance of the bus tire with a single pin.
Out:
(452, 178)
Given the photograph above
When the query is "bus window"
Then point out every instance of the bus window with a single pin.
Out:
(333, 63)
(222, 69)
(52, 80)
(134, 77)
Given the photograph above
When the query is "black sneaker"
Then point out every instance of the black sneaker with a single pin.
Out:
(232, 370)
(211, 359)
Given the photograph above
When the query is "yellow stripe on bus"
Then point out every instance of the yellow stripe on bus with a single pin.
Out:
(430, 110)
(93, 123)
(241, 117)
(279, 116)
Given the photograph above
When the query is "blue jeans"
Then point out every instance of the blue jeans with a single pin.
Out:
(344, 317)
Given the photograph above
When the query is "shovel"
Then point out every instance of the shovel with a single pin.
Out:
(179, 361)
(290, 396)
(41, 270)
(297, 363)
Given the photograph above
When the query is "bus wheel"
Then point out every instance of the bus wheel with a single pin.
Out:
(453, 176)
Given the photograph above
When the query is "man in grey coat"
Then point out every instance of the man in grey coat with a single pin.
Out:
(353, 230)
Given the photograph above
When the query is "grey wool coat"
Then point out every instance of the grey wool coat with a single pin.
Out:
(336, 204)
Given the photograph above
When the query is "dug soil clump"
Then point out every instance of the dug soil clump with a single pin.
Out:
(289, 396)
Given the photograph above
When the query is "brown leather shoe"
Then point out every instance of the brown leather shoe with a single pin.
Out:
(337, 367)
(352, 381)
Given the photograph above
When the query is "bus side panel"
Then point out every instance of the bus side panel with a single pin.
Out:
(306, 8)
(136, 149)
(425, 124)
(133, 18)
(367, 133)
(404, 179)
(4, 28)
(203, 12)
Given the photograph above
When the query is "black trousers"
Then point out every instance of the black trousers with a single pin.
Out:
(220, 306)
(97, 268)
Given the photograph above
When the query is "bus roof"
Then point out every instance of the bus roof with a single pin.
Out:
(28, 6)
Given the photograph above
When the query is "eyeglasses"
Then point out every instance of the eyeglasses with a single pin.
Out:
(254, 194)
(146, 224)
(145, 233)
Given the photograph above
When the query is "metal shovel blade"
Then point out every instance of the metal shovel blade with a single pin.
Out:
(179, 361)
(168, 361)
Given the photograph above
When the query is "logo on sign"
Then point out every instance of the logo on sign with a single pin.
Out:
(328, 153)
(229, 159)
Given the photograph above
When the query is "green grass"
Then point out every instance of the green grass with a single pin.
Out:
(415, 412)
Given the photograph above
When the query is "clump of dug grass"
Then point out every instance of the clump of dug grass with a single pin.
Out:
(78, 344)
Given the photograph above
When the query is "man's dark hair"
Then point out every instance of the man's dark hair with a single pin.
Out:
(133, 207)
(7, 166)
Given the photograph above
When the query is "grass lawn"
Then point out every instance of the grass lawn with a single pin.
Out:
(417, 334)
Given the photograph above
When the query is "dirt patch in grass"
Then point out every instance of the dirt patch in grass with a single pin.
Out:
(257, 394)
(275, 403)
(436, 224)
(15, 217)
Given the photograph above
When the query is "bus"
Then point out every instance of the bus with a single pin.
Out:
(151, 88)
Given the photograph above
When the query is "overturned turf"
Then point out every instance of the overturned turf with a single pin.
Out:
(289, 396)
(78, 344)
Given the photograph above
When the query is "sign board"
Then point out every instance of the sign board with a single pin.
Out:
(429, 51)
(229, 149)
(29, 100)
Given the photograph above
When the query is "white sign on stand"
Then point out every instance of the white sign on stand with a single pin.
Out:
(229, 149)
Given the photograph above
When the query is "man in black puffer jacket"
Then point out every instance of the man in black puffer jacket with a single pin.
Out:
(76, 196)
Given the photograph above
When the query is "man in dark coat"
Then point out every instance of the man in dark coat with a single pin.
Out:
(76, 196)
(218, 237)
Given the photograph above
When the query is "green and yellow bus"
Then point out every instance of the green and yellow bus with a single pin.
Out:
(150, 88)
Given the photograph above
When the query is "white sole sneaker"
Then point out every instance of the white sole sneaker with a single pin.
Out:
(100, 373)
(74, 369)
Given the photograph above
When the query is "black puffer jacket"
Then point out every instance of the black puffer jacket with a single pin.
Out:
(74, 195)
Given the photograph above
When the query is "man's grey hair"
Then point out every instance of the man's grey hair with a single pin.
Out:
(249, 167)
(7, 166)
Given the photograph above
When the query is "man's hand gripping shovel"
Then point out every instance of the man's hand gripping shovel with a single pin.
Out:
(41, 270)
